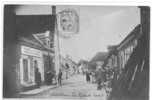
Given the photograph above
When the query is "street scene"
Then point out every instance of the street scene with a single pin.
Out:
(75, 89)
(76, 52)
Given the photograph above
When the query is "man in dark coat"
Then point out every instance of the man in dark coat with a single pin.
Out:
(37, 77)
(87, 76)
(60, 77)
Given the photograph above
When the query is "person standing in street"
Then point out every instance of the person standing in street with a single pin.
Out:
(87, 76)
(37, 77)
(100, 78)
(93, 77)
(59, 77)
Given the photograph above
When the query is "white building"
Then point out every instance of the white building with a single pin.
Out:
(30, 58)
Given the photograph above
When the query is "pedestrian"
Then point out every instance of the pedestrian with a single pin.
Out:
(87, 76)
(100, 78)
(93, 77)
(37, 77)
(59, 77)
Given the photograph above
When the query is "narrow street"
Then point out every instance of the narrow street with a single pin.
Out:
(95, 52)
(73, 88)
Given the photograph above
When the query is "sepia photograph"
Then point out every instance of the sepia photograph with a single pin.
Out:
(76, 52)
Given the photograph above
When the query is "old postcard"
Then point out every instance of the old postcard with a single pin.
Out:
(82, 52)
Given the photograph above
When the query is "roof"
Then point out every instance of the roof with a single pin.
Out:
(32, 42)
(133, 34)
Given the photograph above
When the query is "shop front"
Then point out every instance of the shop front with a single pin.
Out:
(30, 59)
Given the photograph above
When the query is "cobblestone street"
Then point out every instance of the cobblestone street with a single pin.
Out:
(73, 88)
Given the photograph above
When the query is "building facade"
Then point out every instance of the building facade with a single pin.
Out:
(32, 55)
(30, 59)
(126, 47)
(21, 53)
(120, 54)
(134, 81)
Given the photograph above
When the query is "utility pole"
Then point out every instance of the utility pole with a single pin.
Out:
(63, 19)
(56, 42)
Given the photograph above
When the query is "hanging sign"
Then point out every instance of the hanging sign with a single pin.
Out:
(67, 22)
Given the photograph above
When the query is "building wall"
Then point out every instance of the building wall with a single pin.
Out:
(10, 54)
(125, 53)
(14, 27)
(48, 64)
(27, 65)
(121, 55)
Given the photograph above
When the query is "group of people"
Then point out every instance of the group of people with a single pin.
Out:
(90, 76)
(49, 78)
(38, 78)
(100, 76)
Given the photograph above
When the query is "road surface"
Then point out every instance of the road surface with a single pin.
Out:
(73, 88)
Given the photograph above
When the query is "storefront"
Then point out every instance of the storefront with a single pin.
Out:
(30, 59)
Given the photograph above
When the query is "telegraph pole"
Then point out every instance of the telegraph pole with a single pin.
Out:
(66, 25)
(56, 42)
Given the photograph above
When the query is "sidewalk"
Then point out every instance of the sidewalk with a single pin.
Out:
(38, 90)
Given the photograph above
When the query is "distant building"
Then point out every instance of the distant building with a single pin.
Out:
(68, 65)
(111, 61)
(97, 60)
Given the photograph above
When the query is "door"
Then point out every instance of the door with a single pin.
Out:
(25, 70)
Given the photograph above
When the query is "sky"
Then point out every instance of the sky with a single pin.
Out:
(100, 26)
